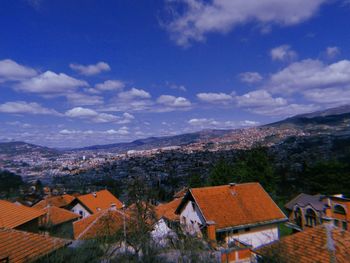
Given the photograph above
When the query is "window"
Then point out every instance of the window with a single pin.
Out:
(339, 209)
(247, 229)
(310, 217)
(81, 213)
(235, 231)
(345, 225)
(297, 217)
(336, 222)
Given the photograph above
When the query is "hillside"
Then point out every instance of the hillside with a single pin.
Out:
(23, 148)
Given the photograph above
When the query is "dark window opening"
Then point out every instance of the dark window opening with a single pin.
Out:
(339, 210)
(310, 218)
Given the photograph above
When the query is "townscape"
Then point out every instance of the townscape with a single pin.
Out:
(174, 131)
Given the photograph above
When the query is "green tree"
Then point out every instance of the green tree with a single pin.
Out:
(256, 166)
(222, 173)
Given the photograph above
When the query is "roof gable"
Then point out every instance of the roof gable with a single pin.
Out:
(56, 216)
(13, 215)
(98, 201)
(103, 223)
(234, 205)
(59, 201)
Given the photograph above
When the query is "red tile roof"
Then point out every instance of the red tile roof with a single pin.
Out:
(101, 224)
(236, 205)
(56, 216)
(20, 246)
(59, 201)
(168, 210)
(100, 200)
(312, 245)
(13, 215)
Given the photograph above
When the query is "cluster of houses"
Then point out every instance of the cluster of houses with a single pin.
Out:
(239, 221)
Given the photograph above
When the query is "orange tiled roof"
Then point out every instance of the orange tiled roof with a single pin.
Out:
(13, 215)
(55, 215)
(20, 246)
(59, 201)
(100, 224)
(312, 245)
(100, 201)
(168, 210)
(241, 204)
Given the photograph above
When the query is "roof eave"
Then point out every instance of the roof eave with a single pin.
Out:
(275, 221)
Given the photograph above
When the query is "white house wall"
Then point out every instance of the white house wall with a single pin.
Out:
(256, 236)
(80, 210)
(191, 218)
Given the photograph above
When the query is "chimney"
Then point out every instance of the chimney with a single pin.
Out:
(211, 231)
(232, 184)
(94, 194)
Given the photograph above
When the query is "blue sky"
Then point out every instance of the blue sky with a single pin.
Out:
(82, 72)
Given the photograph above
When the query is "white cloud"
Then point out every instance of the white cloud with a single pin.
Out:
(215, 97)
(177, 87)
(134, 94)
(283, 53)
(172, 101)
(22, 107)
(50, 83)
(110, 85)
(122, 131)
(98, 117)
(90, 70)
(200, 17)
(310, 74)
(205, 123)
(332, 52)
(250, 77)
(286, 110)
(259, 98)
(12, 71)
(330, 96)
(79, 112)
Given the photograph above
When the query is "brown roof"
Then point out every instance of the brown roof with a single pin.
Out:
(236, 205)
(168, 210)
(103, 223)
(20, 246)
(55, 215)
(59, 201)
(13, 215)
(318, 244)
(100, 200)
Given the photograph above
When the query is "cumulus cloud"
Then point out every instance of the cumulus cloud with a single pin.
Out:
(283, 53)
(98, 117)
(209, 123)
(212, 97)
(199, 17)
(110, 85)
(89, 70)
(12, 71)
(310, 74)
(250, 77)
(285, 110)
(22, 107)
(332, 52)
(172, 101)
(134, 94)
(50, 83)
(121, 131)
(259, 98)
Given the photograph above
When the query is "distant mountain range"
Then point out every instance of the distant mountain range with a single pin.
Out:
(335, 121)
